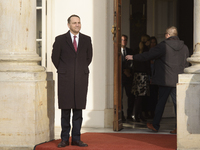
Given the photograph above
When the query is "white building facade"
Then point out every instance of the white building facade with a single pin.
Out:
(28, 29)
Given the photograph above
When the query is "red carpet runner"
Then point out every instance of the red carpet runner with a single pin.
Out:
(118, 141)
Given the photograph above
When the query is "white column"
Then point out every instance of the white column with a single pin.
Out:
(26, 90)
(195, 58)
(18, 35)
(188, 95)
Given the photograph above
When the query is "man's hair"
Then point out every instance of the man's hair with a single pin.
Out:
(68, 20)
(172, 31)
(145, 38)
(125, 36)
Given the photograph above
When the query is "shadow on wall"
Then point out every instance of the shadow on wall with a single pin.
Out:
(50, 103)
(192, 107)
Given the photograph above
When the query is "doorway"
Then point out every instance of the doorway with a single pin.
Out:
(152, 17)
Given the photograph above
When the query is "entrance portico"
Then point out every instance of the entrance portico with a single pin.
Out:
(19, 68)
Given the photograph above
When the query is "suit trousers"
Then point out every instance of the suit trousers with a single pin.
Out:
(76, 124)
(127, 85)
(163, 93)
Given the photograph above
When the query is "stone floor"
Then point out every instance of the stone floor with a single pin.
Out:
(166, 125)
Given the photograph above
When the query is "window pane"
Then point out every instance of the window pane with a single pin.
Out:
(39, 3)
(39, 47)
(39, 24)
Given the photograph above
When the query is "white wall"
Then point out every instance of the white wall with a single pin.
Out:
(97, 19)
(151, 17)
(160, 15)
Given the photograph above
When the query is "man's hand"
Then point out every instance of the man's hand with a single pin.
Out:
(129, 57)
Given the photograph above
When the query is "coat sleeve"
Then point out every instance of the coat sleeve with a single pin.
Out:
(89, 52)
(56, 53)
(153, 53)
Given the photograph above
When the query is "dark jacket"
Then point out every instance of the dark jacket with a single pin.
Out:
(72, 69)
(142, 66)
(170, 60)
(127, 65)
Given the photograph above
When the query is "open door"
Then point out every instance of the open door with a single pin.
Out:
(116, 30)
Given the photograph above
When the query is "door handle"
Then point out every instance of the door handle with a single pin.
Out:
(113, 30)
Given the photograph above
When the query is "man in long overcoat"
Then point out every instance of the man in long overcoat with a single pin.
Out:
(71, 55)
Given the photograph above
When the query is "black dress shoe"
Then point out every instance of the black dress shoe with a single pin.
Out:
(63, 144)
(79, 143)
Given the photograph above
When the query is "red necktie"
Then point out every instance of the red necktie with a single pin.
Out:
(75, 44)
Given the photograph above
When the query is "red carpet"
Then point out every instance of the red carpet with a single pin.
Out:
(118, 141)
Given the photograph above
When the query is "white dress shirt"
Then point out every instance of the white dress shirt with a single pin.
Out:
(122, 50)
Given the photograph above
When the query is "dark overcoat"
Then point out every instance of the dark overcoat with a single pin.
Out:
(127, 65)
(72, 69)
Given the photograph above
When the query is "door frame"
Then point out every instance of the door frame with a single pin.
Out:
(117, 123)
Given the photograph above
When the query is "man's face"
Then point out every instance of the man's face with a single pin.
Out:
(124, 41)
(167, 35)
(74, 25)
(153, 43)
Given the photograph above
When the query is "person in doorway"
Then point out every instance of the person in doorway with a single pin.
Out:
(127, 78)
(71, 55)
(153, 98)
(140, 86)
(170, 60)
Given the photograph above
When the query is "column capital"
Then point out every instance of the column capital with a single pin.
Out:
(195, 61)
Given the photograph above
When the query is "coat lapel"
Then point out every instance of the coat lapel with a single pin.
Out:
(69, 41)
(80, 42)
